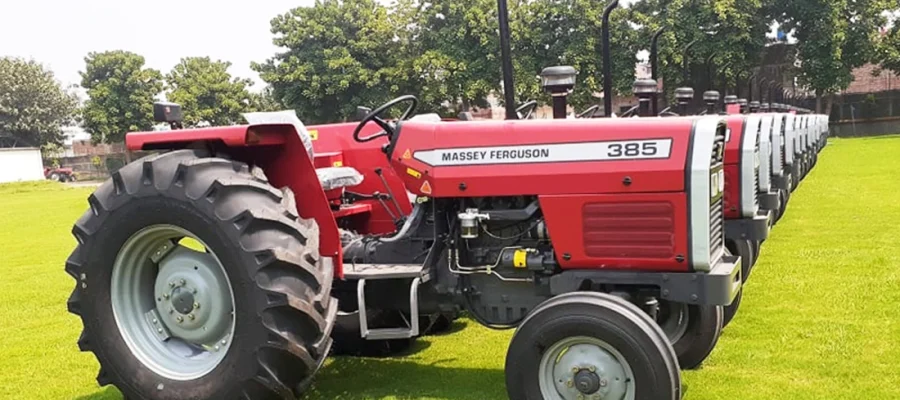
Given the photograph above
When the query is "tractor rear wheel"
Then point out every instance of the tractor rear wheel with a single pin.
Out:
(197, 279)
(693, 330)
(590, 345)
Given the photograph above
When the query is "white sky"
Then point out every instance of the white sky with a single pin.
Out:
(60, 33)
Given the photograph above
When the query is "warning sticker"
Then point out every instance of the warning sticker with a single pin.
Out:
(426, 188)
(548, 153)
(407, 155)
(314, 134)
(413, 173)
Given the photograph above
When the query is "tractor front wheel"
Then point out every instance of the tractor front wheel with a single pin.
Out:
(590, 345)
(197, 279)
(693, 330)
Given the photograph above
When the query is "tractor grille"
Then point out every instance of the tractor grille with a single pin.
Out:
(717, 203)
(756, 161)
(716, 228)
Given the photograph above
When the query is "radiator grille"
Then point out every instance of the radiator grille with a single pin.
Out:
(717, 203)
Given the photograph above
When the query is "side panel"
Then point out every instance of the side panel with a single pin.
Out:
(732, 192)
(510, 158)
(628, 231)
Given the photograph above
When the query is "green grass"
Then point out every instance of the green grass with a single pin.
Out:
(818, 321)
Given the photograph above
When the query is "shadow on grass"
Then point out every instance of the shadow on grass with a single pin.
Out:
(368, 378)
(105, 393)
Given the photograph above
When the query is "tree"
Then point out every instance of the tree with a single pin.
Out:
(568, 32)
(339, 54)
(457, 58)
(120, 92)
(33, 105)
(888, 52)
(834, 37)
(265, 101)
(207, 92)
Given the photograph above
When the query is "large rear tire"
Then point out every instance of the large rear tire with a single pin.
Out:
(590, 345)
(257, 282)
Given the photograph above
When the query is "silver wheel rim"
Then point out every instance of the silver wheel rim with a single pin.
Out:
(173, 304)
(674, 321)
(585, 368)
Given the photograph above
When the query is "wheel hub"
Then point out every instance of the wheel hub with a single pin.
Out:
(587, 382)
(193, 298)
(585, 369)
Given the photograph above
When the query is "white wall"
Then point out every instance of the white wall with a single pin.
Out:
(21, 164)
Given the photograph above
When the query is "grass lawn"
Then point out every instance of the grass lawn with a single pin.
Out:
(818, 319)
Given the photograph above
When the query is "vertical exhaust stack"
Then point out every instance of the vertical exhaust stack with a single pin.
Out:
(765, 107)
(684, 96)
(644, 89)
(607, 61)
(559, 81)
(509, 87)
(711, 98)
(654, 66)
(754, 107)
(744, 106)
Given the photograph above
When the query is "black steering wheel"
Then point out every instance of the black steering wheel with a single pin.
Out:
(530, 106)
(387, 129)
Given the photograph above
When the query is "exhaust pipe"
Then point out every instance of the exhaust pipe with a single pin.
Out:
(684, 96)
(711, 98)
(509, 87)
(644, 89)
(754, 107)
(686, 67)
(709, 72)
(743, 104)
(607, 63)
(559, 81)
(654, 67)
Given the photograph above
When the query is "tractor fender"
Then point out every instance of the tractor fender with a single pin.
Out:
(283, 155)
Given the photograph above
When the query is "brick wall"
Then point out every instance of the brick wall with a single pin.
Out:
(865, 82)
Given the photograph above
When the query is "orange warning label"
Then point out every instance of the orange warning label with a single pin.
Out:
(426, 188)
(407, 155)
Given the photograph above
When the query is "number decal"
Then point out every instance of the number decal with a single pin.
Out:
(615, 150)
(638, 149)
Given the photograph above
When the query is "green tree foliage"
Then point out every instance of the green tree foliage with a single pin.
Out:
(888, 51)
(339, 54)
(207, 92)
(568, 32)
(121, 93)
(33, 105)
(834, 37)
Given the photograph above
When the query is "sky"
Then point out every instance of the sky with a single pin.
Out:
(60, 33)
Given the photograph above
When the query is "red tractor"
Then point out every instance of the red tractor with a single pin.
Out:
(228, 264)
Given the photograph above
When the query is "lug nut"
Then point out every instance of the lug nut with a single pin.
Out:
(172, 284)
(223, 342)
(592, 368)
(574, 370)
(171, 311)
(181, 282)
(166, 296)
(196, 305)
(569, 383)
(159, 330)
(217, 347)
(603, 383)
(191, 316)
(179, 318)
(155, 321)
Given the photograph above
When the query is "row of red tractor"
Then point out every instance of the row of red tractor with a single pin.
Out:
(234, 260)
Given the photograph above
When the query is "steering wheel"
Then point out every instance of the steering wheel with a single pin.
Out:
(530, 106)
(387, 129)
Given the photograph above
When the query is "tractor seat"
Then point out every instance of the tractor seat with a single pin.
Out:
(333, 178)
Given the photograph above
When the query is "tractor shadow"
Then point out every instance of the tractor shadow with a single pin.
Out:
(373, 378)
(106, 393)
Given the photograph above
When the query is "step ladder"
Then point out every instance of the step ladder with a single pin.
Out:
(364, 272)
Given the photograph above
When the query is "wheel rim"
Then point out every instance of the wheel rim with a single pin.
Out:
(674, 320)
(172, 302)
(583, 367)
